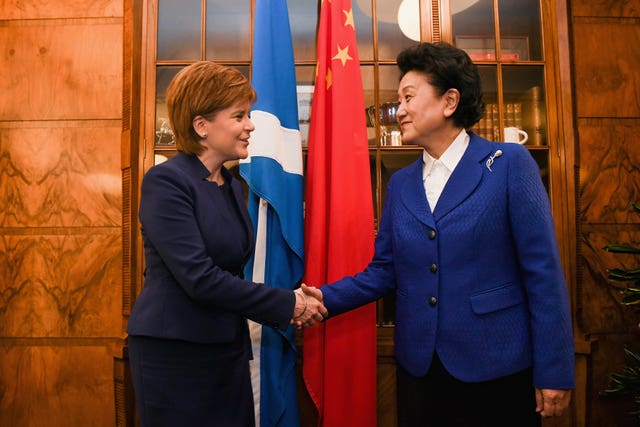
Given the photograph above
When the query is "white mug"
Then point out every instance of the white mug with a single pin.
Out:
(513, 134)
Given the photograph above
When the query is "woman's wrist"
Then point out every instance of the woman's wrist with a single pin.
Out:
(301, 304)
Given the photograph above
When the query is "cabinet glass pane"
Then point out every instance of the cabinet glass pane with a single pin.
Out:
(542, 159)
(389, 80)
(488, 126)
(473, 28)
(523, 88)
(368, 86)
(520, 25)
(245, 70)
(392, 160)
(362, 18)
(390, 134)
(228, 30)
(161, 157)
(305, 79)
(179, 30)
(303, 19)
(374, 186)
(163, 134)
(387, 310)
(391, 40)
(489, 82)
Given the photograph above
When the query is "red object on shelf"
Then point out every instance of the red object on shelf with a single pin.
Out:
(491, 56)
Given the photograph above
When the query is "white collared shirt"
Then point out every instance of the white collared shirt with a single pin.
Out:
(436, 172)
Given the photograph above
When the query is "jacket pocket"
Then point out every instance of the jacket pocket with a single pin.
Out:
(496, 299)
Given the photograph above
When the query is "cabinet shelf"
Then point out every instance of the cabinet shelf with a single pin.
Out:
(164, 148)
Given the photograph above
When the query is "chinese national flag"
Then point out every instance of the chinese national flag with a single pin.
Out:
(339, 355)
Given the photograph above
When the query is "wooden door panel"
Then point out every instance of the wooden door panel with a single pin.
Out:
(47, 9)
(66, 69)
(611, 8)
(65, 285)
(61, 175)
(56, 385)
(609, 169)
(606, 75)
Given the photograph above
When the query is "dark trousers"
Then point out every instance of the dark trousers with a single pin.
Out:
(179, 383)
(440, 400)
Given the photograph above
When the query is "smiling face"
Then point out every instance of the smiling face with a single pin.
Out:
(423, 114)
(227, 133)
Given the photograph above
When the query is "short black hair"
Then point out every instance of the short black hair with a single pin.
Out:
(447, 67)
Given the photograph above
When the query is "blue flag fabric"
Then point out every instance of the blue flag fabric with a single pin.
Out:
(273, 172)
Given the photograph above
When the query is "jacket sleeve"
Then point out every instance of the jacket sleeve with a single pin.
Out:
(374, 282)
(534, 234)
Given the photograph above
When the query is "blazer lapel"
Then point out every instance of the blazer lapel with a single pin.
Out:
(245, 216)
(242, 204)
(465, 178)
(413, 195)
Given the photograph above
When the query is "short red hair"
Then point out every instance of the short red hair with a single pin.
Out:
(202, 89)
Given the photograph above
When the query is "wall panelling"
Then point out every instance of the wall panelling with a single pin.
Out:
(605, 36)
(61, 320)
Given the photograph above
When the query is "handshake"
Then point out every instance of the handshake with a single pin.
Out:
(309, 307)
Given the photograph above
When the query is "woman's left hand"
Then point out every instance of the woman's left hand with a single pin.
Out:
(552, 403)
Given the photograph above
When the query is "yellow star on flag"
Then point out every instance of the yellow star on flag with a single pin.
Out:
(329, 78)
(349, 18)
(343, 55)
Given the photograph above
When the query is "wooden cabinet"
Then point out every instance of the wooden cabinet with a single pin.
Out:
(514, 44)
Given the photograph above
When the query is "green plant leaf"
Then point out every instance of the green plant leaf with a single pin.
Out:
(622, 248)
(629, 351)
(621, 275)
(627, 381)
(631, 300)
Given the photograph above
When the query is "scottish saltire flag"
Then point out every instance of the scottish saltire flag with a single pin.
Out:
(273, 172)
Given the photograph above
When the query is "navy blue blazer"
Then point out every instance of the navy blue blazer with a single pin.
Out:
(194, 290)
(479, 280)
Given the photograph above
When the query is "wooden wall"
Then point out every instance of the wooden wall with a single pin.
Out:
(60, 211)
(606, 60)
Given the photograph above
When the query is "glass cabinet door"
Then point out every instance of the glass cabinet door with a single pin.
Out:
(179, 30)
(512, 52)
(228, 30)
(520, 30)
(505, 39)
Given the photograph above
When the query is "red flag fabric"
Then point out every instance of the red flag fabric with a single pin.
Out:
(339, 365)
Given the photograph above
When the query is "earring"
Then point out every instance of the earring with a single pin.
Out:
(204, 135)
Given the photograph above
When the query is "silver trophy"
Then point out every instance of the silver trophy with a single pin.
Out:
(389, 129)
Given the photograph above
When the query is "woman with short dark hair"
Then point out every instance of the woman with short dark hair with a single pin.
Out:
(483, 333)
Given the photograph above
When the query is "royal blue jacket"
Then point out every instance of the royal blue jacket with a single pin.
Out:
(479, 280)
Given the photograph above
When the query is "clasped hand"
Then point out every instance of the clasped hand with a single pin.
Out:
(309, 307)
